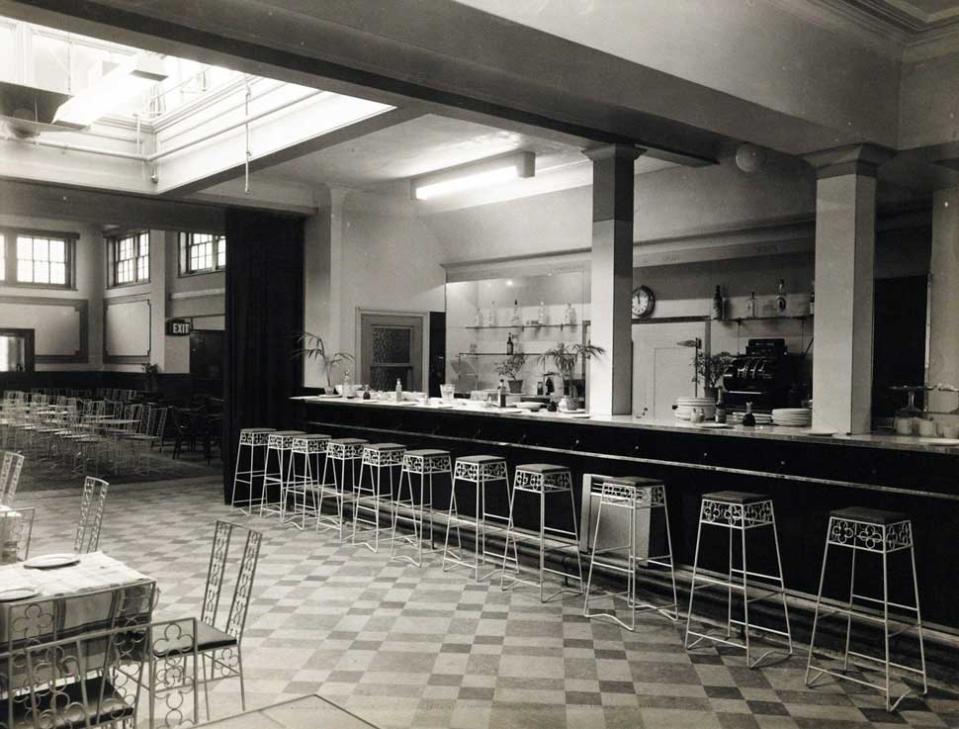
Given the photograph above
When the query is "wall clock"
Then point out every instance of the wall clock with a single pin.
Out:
(644, 301)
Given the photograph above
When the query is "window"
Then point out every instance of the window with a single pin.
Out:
(202, 253)
(36, 259)
(131, 258)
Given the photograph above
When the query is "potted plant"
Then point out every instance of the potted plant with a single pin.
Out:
(509, 368)
(564, 358)
(313, 347)
(152, 372)
(708, 370)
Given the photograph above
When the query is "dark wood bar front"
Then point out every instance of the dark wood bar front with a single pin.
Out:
(806, 476)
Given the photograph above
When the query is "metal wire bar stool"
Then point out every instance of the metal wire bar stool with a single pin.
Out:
(884, 534)
(251, 455)
(339, 452)
(278, 446)
(367, 494)
(425, 463)
(632, 495)
(303, 479)
(743, 512)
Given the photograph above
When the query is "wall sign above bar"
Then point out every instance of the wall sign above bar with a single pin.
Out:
(179, 327)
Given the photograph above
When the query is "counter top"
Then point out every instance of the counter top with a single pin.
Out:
(774, 432)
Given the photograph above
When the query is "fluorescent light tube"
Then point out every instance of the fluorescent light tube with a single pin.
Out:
(474, 175)
(117, 87)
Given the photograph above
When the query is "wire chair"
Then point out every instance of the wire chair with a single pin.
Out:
(16, 531)
(91, 515)
(10, 476)
(150, 435)
(219, 649)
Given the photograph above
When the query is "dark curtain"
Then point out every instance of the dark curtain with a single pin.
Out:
(264, 316)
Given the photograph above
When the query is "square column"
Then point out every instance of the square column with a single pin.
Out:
(944, 298)
(610, 376)
(845, 254)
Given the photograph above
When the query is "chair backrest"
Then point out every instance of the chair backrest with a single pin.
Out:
(219, 556)
(10, 469)
(91, 515)
(16, 531)
(61, 674)
(157, 420)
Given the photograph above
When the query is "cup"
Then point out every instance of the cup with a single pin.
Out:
(446, 392)
(905, 426)
(927, 428)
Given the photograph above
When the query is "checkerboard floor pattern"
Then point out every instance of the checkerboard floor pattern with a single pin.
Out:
(408, 647)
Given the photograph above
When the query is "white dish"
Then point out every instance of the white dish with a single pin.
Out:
(18, 593)
(713, 426)
(52, 561)
(531, 406)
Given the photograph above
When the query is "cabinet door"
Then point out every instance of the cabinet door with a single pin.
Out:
(663, 368)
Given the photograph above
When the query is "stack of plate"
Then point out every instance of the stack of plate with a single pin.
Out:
(761, 418)
(685, 405)
(795, 417)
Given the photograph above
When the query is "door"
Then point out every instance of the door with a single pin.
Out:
(16, 350)
(662, 367)
(391, 349)
(206, 354)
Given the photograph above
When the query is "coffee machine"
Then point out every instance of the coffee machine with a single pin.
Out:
(767, 375)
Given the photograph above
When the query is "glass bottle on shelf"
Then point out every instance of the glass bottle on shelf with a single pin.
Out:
(398, 390)
(517, 319)
(781, 297)
(347, 384)
(719, 305)
(569, 316)
(812, 298)
(720, 415)
(501, 394)
(751, 306)
(541, 316)
(509, 343)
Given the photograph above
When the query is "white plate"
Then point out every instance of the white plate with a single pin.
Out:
(713, 426)
(531, 406)
(18, 593)
(52, 561)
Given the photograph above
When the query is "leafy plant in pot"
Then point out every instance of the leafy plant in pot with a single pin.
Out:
(564, 359)
(708, 370)
(152, 372)
(509, 368)
(313, 347)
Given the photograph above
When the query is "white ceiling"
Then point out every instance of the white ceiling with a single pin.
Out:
(377, 161)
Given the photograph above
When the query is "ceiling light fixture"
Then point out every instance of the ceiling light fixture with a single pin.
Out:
(473, 175)
(118, 86)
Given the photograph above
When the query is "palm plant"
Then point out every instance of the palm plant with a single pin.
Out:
(564, 358)
(313, 347)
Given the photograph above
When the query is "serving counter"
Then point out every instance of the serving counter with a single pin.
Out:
(806, 474)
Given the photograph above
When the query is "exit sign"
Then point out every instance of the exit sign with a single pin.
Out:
(179, 327)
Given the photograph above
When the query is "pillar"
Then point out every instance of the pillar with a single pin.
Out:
(944, 298)
(845, 254)
(610, 375)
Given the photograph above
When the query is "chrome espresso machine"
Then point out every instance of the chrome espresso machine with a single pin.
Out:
(767, 375)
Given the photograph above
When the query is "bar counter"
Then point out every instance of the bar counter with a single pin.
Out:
(807, 475)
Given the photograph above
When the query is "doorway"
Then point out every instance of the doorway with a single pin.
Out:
(663, 366)
(16, 350)
(206, 354)
(391, 349)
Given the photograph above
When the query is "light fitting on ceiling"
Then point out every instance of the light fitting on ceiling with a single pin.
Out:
(750, 158)
(474, 175)
(118, 86)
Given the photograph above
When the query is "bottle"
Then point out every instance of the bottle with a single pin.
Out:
(347, 384)
(569, 316)
(509, 343)
(478, 318)
(751, 306)
(781, 297)
(517, 318)
(541, 315)
(812, 299)
(501, 394)
(539, 388)
(720, 416)
(550, 387)
(719, 305)
(749, 420)
(491, 315)
(398, 390)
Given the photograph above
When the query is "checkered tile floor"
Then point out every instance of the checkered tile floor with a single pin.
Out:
(408, 647)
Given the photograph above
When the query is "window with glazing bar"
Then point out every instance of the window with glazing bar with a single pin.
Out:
(29, 258)
(202, 253)
(130, 258)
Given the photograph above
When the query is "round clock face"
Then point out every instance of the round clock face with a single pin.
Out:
(643, 302)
